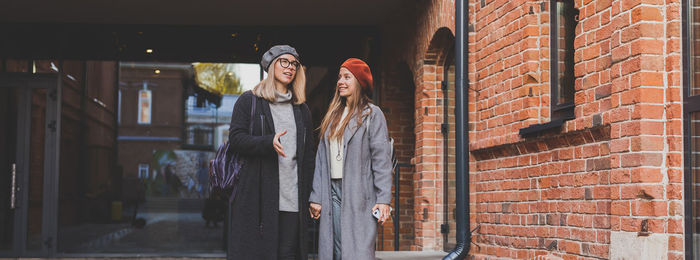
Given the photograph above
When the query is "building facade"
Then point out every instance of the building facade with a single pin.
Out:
(597, 165)
(583, 120)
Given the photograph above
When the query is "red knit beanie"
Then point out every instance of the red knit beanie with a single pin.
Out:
(361, 71)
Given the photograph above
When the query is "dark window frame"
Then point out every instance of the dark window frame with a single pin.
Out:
(565, 110)
(559, 113)
(691, 104)
(196, 129)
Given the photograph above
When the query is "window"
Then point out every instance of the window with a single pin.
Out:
(692, 171)
(200, 135)
(201, 120)
(199, 104)
(143, 171)
(691, 126)
(144, 117)
(564, 18)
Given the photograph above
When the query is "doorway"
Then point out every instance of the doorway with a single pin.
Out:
(28, 105)
(449, 226)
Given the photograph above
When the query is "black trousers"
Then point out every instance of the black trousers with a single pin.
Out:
(288, 235)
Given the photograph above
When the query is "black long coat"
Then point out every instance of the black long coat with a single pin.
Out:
(254, 220)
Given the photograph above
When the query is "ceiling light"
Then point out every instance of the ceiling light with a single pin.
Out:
(157, 71)
(149, 50)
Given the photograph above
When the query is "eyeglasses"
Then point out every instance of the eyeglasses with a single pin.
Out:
(285, 63)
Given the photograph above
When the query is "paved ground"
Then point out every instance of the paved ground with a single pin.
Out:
(164, 232)
(409, 255)
(381, 255)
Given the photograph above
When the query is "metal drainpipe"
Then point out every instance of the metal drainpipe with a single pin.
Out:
(462, 139)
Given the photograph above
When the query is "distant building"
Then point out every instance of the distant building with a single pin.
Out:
(207, 125)
(151, 113)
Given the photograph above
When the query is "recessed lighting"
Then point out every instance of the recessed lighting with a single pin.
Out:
(149, 50)
(157, 71)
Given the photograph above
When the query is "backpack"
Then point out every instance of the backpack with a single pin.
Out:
(225, 168)
(394, 161)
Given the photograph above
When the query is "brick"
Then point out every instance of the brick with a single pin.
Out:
(649, 208)
(617, 165)
(646, 13)
(646, 175)
(620, 208)
(647, 143)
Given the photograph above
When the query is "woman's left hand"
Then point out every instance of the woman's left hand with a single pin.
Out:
(384, 212)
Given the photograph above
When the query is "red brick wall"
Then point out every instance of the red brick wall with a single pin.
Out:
(547, 194)
(615, 169)
(397, 89)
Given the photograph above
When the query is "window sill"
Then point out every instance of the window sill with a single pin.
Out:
(537, 129)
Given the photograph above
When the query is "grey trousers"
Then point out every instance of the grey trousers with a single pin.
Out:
(337, 197)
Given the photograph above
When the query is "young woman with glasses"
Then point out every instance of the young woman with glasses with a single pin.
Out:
(275, 181)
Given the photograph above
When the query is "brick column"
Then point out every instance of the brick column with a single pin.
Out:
(645, 115)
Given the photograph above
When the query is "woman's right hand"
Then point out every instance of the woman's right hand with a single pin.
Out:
(315, 210)
(277, 145)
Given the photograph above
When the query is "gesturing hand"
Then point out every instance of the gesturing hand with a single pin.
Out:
(315, 210)
(277, 145)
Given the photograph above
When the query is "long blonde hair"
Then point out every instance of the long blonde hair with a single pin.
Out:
(336, 108)
(266, 88)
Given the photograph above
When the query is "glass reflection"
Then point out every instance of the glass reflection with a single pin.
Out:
(695, 171)
(567, 16)
(695, 47)
(8, 158)
(135, 167)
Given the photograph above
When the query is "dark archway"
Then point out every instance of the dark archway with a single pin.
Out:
(440, 54)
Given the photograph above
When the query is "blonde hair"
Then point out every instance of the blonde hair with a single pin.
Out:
(266, 88)
(335, 111)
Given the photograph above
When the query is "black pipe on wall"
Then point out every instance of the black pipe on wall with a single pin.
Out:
(461, 250)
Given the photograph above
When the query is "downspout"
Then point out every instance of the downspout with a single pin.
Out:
(461, 250)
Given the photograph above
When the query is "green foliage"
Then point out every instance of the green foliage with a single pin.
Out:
(218, 78)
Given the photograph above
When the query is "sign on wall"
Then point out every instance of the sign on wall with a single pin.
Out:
(144, 106)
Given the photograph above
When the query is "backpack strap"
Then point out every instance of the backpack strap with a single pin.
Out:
(369, 121)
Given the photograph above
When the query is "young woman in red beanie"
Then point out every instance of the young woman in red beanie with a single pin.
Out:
(352, 177)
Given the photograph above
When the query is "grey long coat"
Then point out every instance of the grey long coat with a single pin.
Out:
(366, 182)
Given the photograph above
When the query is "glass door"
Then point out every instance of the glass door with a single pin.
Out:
(27, 139)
